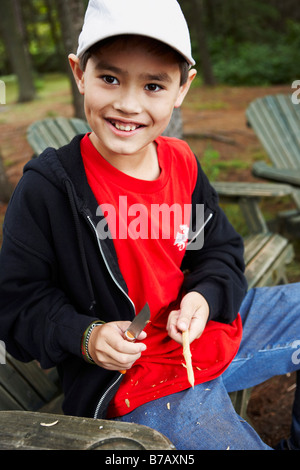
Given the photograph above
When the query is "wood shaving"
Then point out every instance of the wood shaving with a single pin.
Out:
(168, 406)
(289, 389)
(48, 425)
(127, 402)
(188, 357)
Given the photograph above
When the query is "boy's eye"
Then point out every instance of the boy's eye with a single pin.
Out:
(153, 87)
(110, 80)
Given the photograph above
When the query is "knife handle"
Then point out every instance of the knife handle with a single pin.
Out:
(129, 336)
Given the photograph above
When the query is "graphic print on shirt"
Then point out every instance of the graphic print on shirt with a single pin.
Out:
(182, 237)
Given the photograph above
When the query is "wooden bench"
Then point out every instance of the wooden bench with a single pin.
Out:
(275, 120)
(26, 387)
(31, 417)
(39, 431)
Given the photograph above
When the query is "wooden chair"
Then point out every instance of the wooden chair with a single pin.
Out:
(54, 132)
(275, 120)
(31, 417)
(26, 387)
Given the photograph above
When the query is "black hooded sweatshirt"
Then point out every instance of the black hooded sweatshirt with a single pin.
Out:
(57, 276)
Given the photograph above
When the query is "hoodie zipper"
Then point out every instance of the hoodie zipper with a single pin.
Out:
(109, 389)
(99, 404)
(107, 265)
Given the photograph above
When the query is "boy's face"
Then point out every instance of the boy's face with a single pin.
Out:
(129, 94)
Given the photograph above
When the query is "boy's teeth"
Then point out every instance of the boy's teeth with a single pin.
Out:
(124, 128)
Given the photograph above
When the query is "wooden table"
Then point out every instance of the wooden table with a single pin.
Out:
(23, 430)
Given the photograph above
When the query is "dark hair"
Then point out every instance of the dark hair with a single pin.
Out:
(152, 44)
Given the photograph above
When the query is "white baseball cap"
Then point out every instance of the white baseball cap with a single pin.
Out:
(158, 19)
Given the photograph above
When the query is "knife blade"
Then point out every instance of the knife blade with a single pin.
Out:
(138, 324)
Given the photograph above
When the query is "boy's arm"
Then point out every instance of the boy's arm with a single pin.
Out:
(37, 319)
(216, 271)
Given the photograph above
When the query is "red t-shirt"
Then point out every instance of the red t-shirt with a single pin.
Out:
(148, 222)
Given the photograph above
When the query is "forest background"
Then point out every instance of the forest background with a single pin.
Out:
(243, 49)
(235, 42)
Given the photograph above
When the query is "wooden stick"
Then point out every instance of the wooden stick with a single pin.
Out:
(188, 357)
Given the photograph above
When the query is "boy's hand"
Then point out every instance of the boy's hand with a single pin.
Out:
(192, 316)
(110, 350)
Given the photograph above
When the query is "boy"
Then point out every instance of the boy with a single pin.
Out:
(85, 247)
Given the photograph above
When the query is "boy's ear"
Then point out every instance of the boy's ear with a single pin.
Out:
(185, 88)
(77, 72)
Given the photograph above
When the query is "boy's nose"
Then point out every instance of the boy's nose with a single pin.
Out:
(128, 103)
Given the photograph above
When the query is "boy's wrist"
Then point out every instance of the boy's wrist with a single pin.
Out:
(85, 341)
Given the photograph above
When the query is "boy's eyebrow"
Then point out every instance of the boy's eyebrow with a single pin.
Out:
(160, 77)
(106, 66)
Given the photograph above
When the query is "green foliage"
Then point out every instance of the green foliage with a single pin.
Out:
(209, 162)
(236, 218)
(212, 164)
(251, 42)
(250, 63)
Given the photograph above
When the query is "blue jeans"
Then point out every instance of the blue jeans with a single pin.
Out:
(204, 418)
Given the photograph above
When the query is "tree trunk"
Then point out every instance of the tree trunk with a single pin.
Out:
(207, 71)
(174, 128)
(11, 25)
(6, 188)
(71, 15)
(59, 47)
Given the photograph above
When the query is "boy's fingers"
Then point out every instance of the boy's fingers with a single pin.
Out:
(187, 312)
(192, 316)
(112, 350)
(192, 307)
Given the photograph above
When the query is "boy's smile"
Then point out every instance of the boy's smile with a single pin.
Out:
(130, 94)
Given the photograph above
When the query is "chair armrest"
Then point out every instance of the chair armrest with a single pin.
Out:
(237, 190)
(289, 176)
(247, 196)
